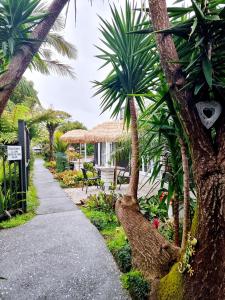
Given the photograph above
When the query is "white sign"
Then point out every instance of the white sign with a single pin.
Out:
(14, 152)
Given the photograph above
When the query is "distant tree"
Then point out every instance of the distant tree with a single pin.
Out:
(71, 125)
(25, 94)
(52, 119)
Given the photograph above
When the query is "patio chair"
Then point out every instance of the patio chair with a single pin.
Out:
(123, 176)
(86, 180)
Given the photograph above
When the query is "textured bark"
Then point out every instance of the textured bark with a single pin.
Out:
(208, 281)
(21, 60)
(151, 253)
(134, 180)
(175, 201)
(186, 192)
(51, 130)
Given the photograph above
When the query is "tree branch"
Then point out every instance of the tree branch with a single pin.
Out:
(23, 57)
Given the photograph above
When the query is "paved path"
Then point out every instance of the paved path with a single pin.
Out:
(57, 255)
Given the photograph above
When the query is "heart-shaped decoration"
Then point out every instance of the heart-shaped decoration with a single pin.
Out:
(209, 112)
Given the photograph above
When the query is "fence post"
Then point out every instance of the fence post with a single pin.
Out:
(23, 171)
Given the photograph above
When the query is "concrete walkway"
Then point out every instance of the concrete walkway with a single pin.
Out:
(57, 255)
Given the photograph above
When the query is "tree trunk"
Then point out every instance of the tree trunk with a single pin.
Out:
(151, 253)
(208, 280)
(21, 60)
(51, 142)
(186, 191)
(134, 180)
(175, 203)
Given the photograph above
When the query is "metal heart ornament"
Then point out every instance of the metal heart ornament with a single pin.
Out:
(209, 112)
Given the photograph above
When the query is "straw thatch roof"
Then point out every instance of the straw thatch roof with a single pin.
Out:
(110, 131)
(77, 136)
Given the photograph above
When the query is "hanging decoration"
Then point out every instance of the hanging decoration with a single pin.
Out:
(209, 112)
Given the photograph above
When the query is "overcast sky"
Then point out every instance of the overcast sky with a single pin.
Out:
(75, 96)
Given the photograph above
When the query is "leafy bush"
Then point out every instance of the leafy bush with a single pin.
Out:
(101, 219)
(59, 145)
(123, 258)
(153, 207)
(102, 201)
(167, 230)
(89, 166)
(70, 178)
(72, 154)
(61, 162)
(137, 286)
(50, 164)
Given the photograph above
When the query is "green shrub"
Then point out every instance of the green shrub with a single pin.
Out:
(102, 201)
(153, 207)
(89, 166)
(118, 245)
(99, 219)
(123, 258)
(50, 164)
(69, 178)
(61, 162)
(137, 286)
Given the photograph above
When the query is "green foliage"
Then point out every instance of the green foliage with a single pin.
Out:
(50, 164)
(102, 201)
(70, 178)
(118, 245)
(88, 166)
(101, 220)
(25, 94)
(17, 19)
(32, 204)
(130, 58)
(61, 162)
(137, 286)
(71, 125)
(152, 207)
(166, 229)
(9, 122)
(59, 145)
(17, 22)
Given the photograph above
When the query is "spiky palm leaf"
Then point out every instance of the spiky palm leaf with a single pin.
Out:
(130, 58)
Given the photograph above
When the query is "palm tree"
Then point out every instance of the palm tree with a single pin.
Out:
(28, 47)
(194, 70)
(52, 119)
(129, 57)
(18, 19)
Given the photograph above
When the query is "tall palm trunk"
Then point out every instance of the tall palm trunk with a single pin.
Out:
(23, 57)
(51, 141)
(208, 280)
(186, 192)
(151, 253)
(134, 180)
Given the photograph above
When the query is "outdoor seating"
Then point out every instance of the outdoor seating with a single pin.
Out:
(94, 180)
(123, 176)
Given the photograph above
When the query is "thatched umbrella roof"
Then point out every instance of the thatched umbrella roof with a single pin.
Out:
(77, 136)
(110, 131)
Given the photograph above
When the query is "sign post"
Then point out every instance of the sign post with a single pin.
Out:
(14, 153)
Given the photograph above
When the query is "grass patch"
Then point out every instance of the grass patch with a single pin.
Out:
(32, 204)
(116, 241)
